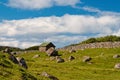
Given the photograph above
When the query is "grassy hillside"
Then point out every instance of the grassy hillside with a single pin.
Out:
(11, 48)
(109, 38)
(102, 67)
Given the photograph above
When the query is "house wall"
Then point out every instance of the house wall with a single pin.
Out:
(42, 49)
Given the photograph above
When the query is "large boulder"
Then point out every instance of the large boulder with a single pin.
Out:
(22, 62)
(51, 77)
(52, 52)
(117, 66)
(86, 58)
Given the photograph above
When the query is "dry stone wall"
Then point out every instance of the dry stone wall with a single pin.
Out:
(93, 45)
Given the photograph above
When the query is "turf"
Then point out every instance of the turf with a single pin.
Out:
(101, 67)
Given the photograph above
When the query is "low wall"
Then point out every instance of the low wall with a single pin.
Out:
(93, 45)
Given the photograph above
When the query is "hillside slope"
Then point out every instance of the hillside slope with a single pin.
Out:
(101, 67)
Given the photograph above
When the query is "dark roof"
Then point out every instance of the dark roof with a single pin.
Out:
(44, 44)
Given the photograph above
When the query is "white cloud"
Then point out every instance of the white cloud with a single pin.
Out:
(66, 2)
(16, 43)
(51, 29)
(77, 24)
(39, 4)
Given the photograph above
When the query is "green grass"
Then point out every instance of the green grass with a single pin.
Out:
(102, 67)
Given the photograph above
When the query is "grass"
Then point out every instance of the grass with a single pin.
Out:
(102, 67)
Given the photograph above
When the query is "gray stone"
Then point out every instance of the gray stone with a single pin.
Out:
(13, 58)
(59, 59)
(36, 56)
(51, 77)
(52, 52)
(7, 50)
(13, 53)
(72, 51)
(117, 66)
(86, 58)
(116, 56)
(71, 58)
(22, 62)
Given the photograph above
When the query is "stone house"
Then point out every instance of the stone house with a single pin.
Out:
(45, 46)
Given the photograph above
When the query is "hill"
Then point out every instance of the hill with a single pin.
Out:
(11, 48)
(101, 67)
(100, 42)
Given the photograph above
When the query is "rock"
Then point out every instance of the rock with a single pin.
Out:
(22, 62)
(116, 56)
(86, 58)
(13, 53)
(52, 52)
(117, 66)
(72, 51)
(59, 59)
(13, 59)
(71, 58)
(52, 58)
(36, 56)
(51, 77)
(7, 50)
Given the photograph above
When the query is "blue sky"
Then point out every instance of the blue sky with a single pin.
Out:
(25, 23)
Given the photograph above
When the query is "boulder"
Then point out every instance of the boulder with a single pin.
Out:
(22, 62)
(86, 58)
(7, 50)
(13, 53)
(52, 58)
(72, 51)
(52, 52)
(59, 59)
(51, 77)
(116, 56)
(36, 56)
(117, 66)
(71, 58)
(13, 59)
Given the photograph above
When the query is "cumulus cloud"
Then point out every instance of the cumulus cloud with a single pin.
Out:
(76, 24)
(39, 4)
(16, 43)
(26, 32)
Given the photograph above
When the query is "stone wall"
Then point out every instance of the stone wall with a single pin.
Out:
(93, 45)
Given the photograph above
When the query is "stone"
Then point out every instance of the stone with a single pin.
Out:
(52, 52)
(36, 56)
(59, 59)
(13, 59)
(22, 62)
(72, 51)
(117, 66)
(13, 53)
(7, 50)
(71, 58)
(51, 77)
(116, 56)
(86, 58)
(52, 58)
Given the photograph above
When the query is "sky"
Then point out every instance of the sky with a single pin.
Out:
(25, 23)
